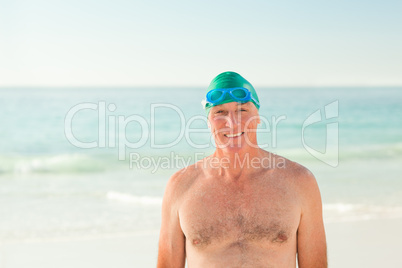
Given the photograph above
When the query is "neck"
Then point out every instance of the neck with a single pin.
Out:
(233, 165)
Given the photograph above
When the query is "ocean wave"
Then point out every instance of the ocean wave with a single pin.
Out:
(94, 162)
(341, 207)
(128, 198)
(346, 152)
(61, 163)
(340, 212)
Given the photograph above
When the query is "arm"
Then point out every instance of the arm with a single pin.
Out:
(311, 242)
(171, 253)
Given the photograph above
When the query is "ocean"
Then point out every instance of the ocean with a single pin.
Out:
(79, 163)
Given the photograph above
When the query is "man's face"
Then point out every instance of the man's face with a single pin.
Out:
(234, 125)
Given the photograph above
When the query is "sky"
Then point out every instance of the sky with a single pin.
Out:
(56, 43)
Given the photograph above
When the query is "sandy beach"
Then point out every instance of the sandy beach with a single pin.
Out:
(129, 251)
(366, 244)
(374, 243)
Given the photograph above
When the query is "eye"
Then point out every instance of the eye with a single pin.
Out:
(219, 112)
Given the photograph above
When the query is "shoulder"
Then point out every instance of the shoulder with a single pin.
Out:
(185, 175)
(280, 163)
(304, 178)
(298, 175)
(297, 172)
(181, 181)
(306, 186)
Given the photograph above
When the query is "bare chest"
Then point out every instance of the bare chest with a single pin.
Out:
(260, 213)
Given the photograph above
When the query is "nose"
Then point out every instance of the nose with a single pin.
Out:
(231, 120)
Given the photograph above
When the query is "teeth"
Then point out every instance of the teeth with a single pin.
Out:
(234, 135)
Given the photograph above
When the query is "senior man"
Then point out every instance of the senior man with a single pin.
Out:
(242, 206)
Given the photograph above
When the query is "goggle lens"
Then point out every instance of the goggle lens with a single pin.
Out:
(215, 95)
(239, 93)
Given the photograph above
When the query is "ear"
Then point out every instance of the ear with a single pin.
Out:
(208, 123)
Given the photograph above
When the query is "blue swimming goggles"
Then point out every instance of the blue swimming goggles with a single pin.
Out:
(239, 94)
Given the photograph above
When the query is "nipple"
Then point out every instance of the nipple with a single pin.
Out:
(281, 237)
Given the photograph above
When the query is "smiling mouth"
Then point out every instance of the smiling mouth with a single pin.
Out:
(233, 135)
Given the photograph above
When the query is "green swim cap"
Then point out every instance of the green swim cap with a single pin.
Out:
(230, 80)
